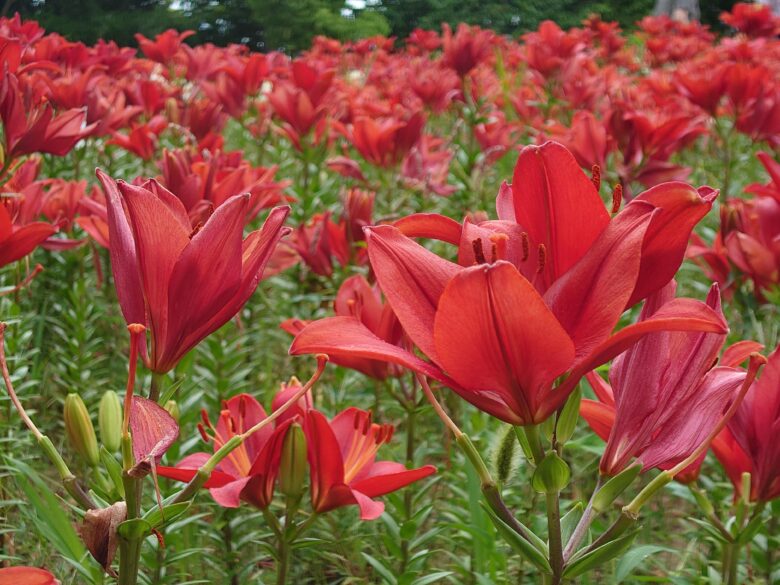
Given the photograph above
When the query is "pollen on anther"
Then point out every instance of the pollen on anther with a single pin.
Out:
(498, 247)
(617, 198)
(203, 434)
(596, 176)
(526, 247)
(479, 253)
(204, 416)
(542, 258)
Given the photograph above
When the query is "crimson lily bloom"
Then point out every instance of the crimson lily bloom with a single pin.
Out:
(26, 576)
(38, 130)
(749, 442)
(165, 45)
(18, 241)
(752, 19)
(358, 300)
(248, 474)
(385, 143)
(499, 334)
(342, 462)
(751, 244)
(467, 48)
(666, 397)
(771, 189)
(183, 283)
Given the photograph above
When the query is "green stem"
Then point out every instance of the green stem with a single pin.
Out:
(554, 536)
(130, 549)
(158, 380)
(730, 563)
(282, 565)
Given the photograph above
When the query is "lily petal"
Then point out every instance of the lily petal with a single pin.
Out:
(493, 332)
(551, 197)
(412, 278)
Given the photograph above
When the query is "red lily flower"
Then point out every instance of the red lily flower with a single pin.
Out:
(318, 242)
(356, 299)
(204, 182)
(248, 474)
(18, 241)
(771, 189)
(751, 441)
(184, 283)
(462, 318)
(26, 576)
(342, 462)
(752, 19)
(666, 397)
(164, 46)
(41, 130)
(467, 48)
(752, 242)
(385, 143)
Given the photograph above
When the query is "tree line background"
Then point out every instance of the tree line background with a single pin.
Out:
(290, 25)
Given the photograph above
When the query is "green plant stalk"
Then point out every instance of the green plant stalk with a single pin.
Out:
(554, 535)
(158, 380)
(130, 549)
(553, 509)
(729, 563)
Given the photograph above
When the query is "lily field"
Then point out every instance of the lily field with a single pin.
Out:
(456, 308)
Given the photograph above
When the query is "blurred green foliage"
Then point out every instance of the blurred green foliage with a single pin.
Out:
(290, 25)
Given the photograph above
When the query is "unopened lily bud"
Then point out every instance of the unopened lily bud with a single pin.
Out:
(610, 491)
(110, 421)
(173, 409)
(292, 466)
(81, 433)
(551, 475)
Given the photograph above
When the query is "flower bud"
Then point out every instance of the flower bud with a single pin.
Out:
(81, 433)
(551, 475)
(110, 421)
(292, 466)
(172, 407)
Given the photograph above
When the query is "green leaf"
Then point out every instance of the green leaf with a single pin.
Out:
(633, 558)
(750, 530)
(384, 572)
(45, 510)
(570, 520)
(408, 530)
(156, 517)
(709, 529)
(520, 544)
(599, 556)
(134, 529)
(432, 578)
